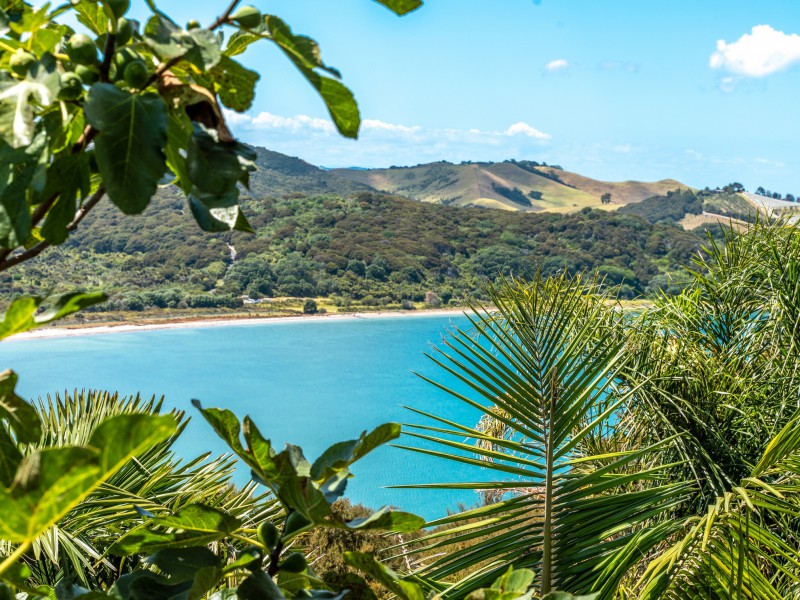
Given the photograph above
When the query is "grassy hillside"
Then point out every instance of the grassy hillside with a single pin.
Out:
(510, 185)
(330, 234)
(692, 209)
(622, 192)
(771, 206)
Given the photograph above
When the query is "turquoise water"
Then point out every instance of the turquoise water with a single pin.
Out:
(312, 382)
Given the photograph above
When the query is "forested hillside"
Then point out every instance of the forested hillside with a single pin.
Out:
(366, 250)
(329, 234)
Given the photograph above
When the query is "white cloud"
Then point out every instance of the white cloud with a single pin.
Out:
(558, 64)
(769, 163)
(522, 128)
(235, 118)
(375, 125)
(727, 84)
(269, 121)
(382, 143)
(695, 154)
(761, 52)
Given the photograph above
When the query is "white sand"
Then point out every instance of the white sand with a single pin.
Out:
(54, 332)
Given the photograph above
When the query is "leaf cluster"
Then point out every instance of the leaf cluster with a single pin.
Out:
(115, 108)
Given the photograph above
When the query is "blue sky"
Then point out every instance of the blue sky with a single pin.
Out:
(704, 92)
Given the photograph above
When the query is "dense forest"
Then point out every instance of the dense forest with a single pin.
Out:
(366, 250)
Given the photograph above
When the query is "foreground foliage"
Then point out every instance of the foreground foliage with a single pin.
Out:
(114, 107)
(156, 481)
(78, 126)
(102, 502)
(648, 456)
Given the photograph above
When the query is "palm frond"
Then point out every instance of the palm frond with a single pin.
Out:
(544, 364)
(156, 482)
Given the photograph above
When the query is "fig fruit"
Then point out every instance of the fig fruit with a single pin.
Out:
(124, 31)
(268, 535)
(88, 75)
(20, 62)
(81, 49)
(294, 563)
(247, 16)
(118, 7)
(71, 86)
(136, 74)
(295, 522)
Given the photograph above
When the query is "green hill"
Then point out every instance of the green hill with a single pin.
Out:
(510, 185)
(692, 209)
(365, 250)
(331, 234)
(279, 174)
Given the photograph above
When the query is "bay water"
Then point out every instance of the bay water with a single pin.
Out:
(310, 382)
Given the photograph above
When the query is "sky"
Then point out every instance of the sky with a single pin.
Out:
(705, 92)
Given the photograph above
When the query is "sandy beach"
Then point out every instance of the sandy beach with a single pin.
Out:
(224, 321)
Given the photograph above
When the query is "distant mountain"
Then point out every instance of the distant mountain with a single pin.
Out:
(279, 175)
(510, 185)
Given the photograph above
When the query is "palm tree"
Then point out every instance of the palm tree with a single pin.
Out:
(156, 482)
(547, 358)
(649, 455)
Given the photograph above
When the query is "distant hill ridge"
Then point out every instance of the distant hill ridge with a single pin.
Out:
(510, 185)
(513, 185)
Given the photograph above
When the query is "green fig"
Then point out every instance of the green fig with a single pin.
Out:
(247, 16)
(71, 86)
(20, 62)
(193, 24)
(123, 57)
(124, 31)
(136, 74)
(295, 522)
(81, 49)
(118, 7)
(268, 535)
(88, 75)
(294, 563)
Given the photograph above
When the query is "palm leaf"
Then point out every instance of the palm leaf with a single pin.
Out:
(544, 363)
(156, 482)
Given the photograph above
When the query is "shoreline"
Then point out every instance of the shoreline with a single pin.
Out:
(222, 321)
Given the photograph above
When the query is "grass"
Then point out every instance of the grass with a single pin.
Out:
(690, 222)
(472, 185)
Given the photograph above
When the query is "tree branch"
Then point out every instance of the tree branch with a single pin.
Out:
(80, 214)
(166, 66)
(108, 55)
(223, 18)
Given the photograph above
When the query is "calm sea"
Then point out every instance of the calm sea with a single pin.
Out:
(312, 382)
